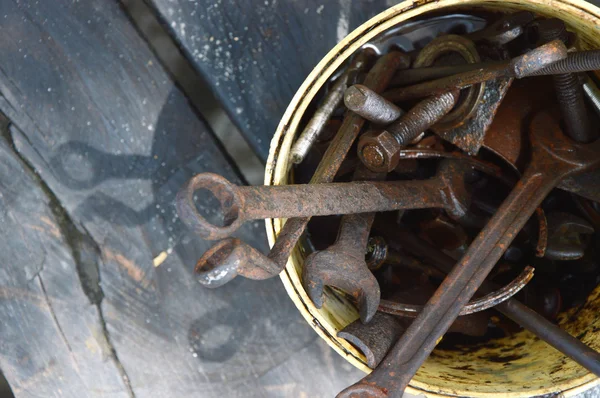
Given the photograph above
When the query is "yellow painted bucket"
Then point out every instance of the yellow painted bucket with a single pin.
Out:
(531, 367)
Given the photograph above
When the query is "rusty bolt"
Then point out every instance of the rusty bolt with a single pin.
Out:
(380, 150)
(569, 91)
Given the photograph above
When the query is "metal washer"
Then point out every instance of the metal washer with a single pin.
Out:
(467, 50)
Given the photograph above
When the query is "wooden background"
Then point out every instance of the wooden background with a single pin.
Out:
(97, 295)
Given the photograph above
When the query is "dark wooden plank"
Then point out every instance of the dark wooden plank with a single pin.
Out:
(52, 339)
(255, 54)
(113, 138)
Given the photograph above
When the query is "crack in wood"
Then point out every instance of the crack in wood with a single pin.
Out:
(85, 252)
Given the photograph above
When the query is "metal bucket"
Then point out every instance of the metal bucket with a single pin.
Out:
(517, 366)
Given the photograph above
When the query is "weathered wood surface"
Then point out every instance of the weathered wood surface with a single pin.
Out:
(52, 337)
(256, 54)
(98, 296)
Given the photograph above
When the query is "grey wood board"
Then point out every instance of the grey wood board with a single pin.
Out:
(52, 340)
(113, 138)
(256, 54)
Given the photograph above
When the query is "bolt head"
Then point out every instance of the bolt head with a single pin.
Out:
(379, 151)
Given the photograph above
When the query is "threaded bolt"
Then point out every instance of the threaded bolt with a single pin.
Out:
(569, 91)
(581, 61)
(380, 150)
(422, 116)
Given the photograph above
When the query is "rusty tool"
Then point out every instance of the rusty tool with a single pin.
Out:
(512, 308)
(232, 257)
(370, 105)
(379, 150)
(227, 258)
(375, 339)
(242, 203)
(518, 67)
(575, 62)
(329, 104)
(551, 150)
(505, 29)
(343, 264)
(569, 91)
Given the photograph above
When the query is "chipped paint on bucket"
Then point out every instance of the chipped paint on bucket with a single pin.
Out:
(516, 366)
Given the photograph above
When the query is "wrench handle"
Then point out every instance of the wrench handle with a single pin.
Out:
(456, 290)
(241, 203)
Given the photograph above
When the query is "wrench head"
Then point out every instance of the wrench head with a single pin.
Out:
(232, 204)
(232, 257)
(555, 153)
(345, 270)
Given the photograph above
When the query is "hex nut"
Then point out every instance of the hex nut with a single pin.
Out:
(379, 151)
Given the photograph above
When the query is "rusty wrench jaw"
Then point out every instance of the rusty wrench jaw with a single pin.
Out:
(229, 258)
(343, 265)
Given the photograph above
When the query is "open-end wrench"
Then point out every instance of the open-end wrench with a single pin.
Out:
(343, 264)
(518, 67)
(229, 258)
(243, 203)
(446, 190)
(554, 157)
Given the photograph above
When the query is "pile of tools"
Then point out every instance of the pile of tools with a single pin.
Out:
(447, 172)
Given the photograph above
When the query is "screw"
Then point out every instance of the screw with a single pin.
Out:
(379, 150)
(581, 61)
(569, 91)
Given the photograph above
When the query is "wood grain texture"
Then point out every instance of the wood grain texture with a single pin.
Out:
(52, 337)
(255, 54)
(113, 139)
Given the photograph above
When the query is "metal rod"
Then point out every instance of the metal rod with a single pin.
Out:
(518, 67)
